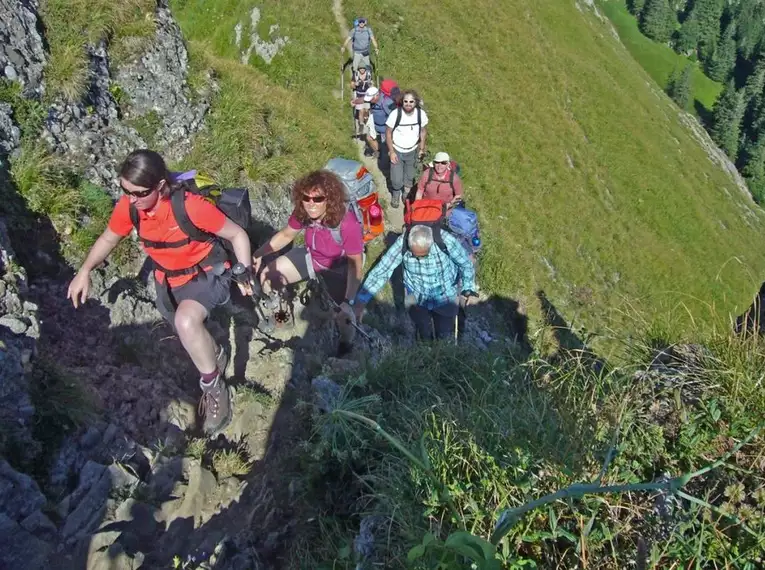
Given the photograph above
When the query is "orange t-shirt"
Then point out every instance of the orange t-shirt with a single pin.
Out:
(160, 225)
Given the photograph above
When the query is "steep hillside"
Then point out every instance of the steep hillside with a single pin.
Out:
(588, 184)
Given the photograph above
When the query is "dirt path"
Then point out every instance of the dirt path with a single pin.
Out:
(394, 217)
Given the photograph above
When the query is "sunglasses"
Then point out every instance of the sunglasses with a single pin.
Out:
(314, 199)
(409, 102)
(141, 194)
(441, 162)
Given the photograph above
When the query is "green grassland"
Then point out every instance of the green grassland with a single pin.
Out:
(586, 183)
(660, 61)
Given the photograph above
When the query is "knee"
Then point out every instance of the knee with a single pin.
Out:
(186, 322)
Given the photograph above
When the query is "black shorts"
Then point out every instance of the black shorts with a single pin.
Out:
(335, 278)
(207, 289)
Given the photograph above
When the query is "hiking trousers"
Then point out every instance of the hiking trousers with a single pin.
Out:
(438, 322)
(361, 60)
(402, 173)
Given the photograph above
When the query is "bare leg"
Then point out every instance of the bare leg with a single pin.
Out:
(278, 274)
(199, 344)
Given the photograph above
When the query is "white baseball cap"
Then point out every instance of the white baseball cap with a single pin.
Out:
(370, 94)
(441, 157)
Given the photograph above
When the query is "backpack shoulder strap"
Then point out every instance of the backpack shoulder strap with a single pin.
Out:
(430, 175)
(398, 117)
(134, 218)
(178, 204)
(451, 182)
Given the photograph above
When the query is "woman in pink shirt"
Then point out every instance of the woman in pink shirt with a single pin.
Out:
(440, 182)
(333, 251)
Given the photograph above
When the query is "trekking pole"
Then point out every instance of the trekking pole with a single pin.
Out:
(342, 81)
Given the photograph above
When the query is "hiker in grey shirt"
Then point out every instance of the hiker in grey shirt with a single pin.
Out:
(361, 36)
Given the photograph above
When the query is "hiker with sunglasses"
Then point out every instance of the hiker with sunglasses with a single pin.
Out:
(191, 277)
(440, 181)
(333, 250)
(438, 277)
(405, 135)
(361, 36)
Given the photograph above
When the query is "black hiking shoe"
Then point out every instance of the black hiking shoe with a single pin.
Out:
(395, 199)
(215, 406)
(369, 152)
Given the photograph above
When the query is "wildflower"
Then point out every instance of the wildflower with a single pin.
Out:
(735, 492)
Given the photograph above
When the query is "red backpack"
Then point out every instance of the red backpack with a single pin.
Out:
(431, 213)
(389, 88)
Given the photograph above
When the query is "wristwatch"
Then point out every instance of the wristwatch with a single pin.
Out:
(351, 302)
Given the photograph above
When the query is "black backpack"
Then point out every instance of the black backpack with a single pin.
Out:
(233, 202)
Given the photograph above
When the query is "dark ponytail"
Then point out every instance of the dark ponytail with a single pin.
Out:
(147, 169)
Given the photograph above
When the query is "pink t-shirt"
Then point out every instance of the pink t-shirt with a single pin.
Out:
(324, 249)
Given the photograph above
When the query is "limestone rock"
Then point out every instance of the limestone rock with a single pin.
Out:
(22, 51)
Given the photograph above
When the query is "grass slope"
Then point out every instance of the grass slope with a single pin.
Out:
(586, 183)
(657, 59)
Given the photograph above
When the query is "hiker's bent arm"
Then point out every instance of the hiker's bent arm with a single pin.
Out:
(239, 239)
(104, 245)
(280, 239)
(421, 185)
(345, 44)
(381, 273)
(355, 273)
(80, 285)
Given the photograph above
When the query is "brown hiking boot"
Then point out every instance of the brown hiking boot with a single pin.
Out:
(215, 405)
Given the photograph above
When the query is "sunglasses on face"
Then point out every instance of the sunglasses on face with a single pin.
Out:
(141, 194)
(314, 199)
(441, 162)
(408, 102)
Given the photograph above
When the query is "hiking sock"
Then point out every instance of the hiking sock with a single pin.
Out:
(209, 377)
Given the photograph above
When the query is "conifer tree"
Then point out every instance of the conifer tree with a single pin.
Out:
(724, 58)
(726, 124)
(636, 7)
(750, 26)
(656, 20)
(679, 87)
(708, 13)
(688, 36)
(754, 167)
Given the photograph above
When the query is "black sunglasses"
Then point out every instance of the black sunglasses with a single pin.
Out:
(441, 162)
(141, 194)
(314, 199)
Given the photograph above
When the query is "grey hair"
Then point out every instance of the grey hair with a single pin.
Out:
(420, 237)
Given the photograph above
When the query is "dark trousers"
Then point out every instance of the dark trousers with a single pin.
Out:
(440, 320)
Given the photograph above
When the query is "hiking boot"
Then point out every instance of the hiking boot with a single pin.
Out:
(369, 152)
(395, 199)
(215, 405)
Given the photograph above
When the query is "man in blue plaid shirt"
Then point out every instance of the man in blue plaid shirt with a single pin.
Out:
(433, 280)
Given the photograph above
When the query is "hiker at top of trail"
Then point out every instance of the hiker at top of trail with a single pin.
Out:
(192, 275)
(440, 181)
(381, 106)
(361, 36)
(333, 250)
(437, 272)
(405, 135)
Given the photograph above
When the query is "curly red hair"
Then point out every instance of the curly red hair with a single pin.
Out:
(328, 184)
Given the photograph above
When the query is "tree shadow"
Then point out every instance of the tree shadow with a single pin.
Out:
(706, 116)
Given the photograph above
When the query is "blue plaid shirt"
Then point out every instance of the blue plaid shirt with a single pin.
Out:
(434, 280)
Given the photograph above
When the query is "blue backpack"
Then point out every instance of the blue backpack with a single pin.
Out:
(463, 223)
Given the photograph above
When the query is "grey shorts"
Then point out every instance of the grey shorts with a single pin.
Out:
(208, 290)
